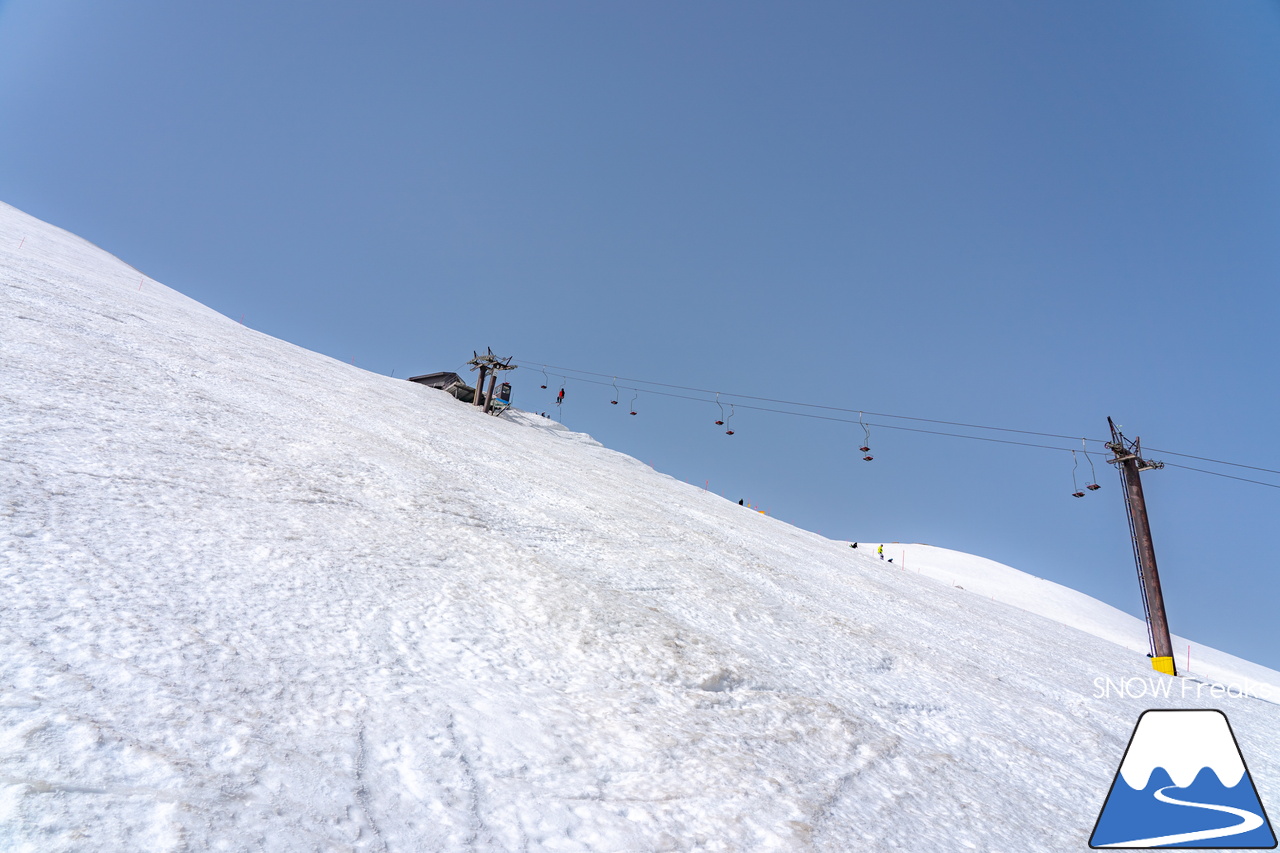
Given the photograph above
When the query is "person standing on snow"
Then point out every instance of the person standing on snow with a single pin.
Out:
(880, 551)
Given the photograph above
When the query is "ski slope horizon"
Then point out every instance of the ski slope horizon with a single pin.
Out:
(259, 596)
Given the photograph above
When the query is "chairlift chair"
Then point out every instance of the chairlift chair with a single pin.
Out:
(1093, 486)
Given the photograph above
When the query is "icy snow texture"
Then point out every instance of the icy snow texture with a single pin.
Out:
(257, 599)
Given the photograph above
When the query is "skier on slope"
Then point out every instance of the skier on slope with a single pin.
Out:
(880, 551)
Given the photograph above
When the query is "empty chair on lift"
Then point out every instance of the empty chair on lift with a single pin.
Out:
(1093, 484)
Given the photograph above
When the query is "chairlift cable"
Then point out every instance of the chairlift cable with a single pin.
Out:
(827, 408)
(901, 428)
(1218, 474)
(1207, 459)
(846, 420)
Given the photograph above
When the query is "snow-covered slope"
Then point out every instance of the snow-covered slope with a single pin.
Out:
(999, 582)
(256, 599)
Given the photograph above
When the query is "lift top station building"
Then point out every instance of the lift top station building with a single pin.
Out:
(498, 398)
(450, 383)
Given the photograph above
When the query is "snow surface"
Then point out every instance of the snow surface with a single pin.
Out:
(1062, 604)
(257, 599)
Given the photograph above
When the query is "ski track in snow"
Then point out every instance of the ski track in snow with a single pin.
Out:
(257, 599)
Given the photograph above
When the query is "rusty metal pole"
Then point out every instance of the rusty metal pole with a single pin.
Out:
(478, 401)
(488, 399)
(1130, 465)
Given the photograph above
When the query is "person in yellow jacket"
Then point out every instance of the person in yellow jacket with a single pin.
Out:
(880, 551)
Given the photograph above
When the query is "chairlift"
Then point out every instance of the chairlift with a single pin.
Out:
(614, 401)
(545, 378)
(866, 443)
(633, 403)
(729, 431)
(1075, 461)
(720, 422)
(1093, 486)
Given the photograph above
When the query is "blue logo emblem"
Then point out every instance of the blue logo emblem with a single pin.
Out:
(1183, 783)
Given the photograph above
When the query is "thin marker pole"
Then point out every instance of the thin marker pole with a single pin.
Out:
(24, 239)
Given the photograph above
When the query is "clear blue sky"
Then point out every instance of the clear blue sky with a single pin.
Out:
(1026, 215)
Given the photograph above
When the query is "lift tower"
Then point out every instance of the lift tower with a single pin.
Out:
(1129, 462)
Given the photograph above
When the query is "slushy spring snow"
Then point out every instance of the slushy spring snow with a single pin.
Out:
(255, 599)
